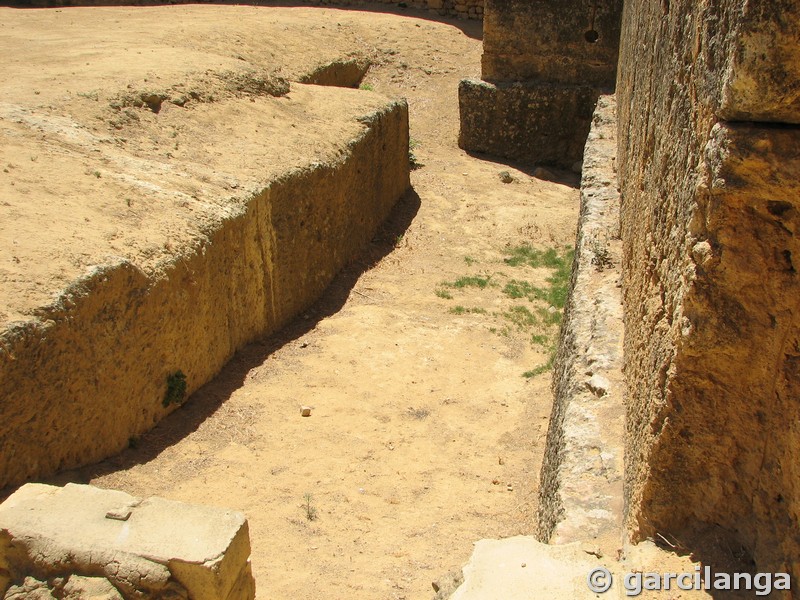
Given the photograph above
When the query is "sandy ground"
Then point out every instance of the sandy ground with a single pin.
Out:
(424, 435)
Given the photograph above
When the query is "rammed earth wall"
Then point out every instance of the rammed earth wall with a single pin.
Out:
(92, 370)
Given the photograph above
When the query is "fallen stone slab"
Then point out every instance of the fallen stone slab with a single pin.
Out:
(82, 541)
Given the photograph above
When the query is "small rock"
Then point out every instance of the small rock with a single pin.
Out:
(598, 385)
(90, 588)
(31, 589)
(305, 411)
(506, 177)
(593, 550)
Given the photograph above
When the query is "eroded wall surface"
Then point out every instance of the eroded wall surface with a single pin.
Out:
(92, 370)
(571, 41)
(709, 159)
(580, 493)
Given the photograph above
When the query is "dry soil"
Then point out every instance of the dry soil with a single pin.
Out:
(424, 434)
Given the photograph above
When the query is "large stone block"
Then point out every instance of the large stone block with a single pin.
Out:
(533, 123)
(64, 539)
(565, 41)
(709, 223)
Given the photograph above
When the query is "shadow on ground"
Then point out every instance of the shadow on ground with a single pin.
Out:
(205, 401)
(548, 173)
(470, 28)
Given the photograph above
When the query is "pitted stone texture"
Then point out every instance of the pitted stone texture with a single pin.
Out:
(532, 123)
(165, 550)
(710, 227)
(580, 497)
(549, 41)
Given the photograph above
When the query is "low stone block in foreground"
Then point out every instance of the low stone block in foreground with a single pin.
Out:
(521, 568)
(79, 541)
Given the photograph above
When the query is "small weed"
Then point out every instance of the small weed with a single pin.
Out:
(540, 340)
(398, 240)
(309, 508)
(521, 289)
(470, 281)
(443, 293)
(525, 255)
(419, 414)
(601, 257)
(176, 388)
(461, 310)
(544, 368)
(522, 317)
(413, 161)
(367, 87)
(469, 260)
(96, 174)
(549, 316)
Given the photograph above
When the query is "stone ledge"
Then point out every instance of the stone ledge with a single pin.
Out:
(582, 473)
(150, 548)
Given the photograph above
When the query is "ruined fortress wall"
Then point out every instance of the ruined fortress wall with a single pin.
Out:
(544, 65)
(91, 372)
(570, 42)
(709, 160)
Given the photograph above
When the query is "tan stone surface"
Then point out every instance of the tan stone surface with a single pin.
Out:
(522, 568)
(581, 496)
(709, 225)
(546, 41)
(56, 532)
(527, 122)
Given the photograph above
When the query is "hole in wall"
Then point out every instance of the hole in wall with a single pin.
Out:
(591, 36)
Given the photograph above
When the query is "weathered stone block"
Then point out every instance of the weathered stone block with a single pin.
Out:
(149, 548)
(580, 495)
(565, 41)
(534, 123)
(710, 221)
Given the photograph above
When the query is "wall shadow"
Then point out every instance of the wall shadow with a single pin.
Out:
(206, 400)
(549, 173)
(471, 28)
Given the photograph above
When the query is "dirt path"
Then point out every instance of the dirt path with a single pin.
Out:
(424, 435)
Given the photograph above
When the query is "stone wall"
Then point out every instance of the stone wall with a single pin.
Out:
(580, 494)
(571, 42)
(82, 543)
(544, 64)
(709, 158)
(97, 367)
